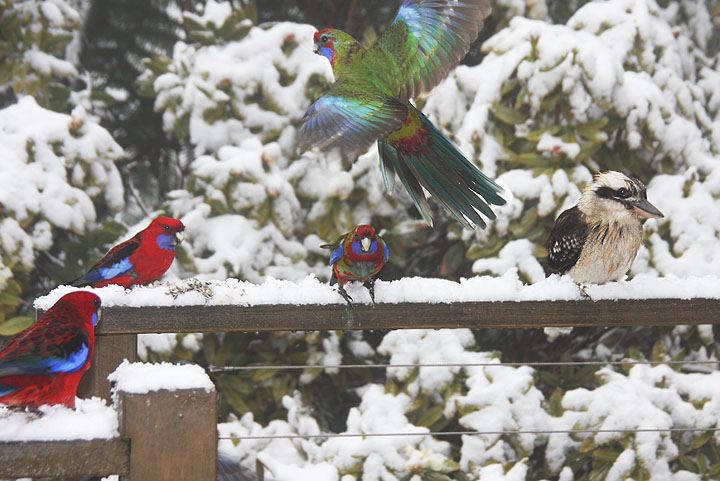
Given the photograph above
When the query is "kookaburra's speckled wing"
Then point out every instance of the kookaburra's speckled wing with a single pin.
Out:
(566, 240)
(425, 41)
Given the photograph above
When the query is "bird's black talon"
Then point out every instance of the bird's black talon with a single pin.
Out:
(370, 285)
(346, 296)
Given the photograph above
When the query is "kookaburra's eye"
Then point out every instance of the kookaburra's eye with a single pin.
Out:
(623, 192)
(323, 38)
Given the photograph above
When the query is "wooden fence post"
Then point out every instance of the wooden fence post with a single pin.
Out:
(110, 351)
(172, 433)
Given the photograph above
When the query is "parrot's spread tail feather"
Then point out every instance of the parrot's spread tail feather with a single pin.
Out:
(451, 179)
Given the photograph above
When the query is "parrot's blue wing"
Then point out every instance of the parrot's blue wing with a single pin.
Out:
(336, 254)
(116, 262)
(48, 357)
(348, 125)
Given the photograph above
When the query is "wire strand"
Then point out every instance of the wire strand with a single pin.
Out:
(213, 368)
(464, 433)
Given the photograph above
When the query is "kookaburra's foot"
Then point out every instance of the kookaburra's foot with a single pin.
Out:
(346, 296)
(370, 284)
(583, 292)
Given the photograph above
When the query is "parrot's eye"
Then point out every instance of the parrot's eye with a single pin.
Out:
(623, 192)
(357, 237)
(167, 228)
(323, 38)
(96, 303)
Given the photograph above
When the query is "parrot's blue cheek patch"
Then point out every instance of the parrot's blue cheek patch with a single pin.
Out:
(94, 319)
(357, 248)
(165, 242)
(327, 53)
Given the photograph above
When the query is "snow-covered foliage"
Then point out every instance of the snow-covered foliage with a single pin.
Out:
(40, 44)
(624, 85)
(57, 171)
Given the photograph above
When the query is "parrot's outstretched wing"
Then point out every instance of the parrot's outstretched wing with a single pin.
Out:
(349, 125)
(426, 40)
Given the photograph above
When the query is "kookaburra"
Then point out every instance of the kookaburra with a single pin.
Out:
(597, 240)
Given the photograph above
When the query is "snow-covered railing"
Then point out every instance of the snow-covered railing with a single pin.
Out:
(162, 426)
(410, 303)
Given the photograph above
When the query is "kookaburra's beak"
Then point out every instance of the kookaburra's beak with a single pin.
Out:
(365, 243)
(179, 237)
(643, 208)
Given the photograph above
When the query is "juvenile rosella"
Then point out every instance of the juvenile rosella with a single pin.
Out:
(44, 363)
(370, 101)
(139, 260)
(357, 256)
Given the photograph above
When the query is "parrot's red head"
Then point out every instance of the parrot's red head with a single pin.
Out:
(85, 306)
(365, 234)
(324, 43)
(168, 231)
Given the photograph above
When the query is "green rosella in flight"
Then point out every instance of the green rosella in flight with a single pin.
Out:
(370, 101)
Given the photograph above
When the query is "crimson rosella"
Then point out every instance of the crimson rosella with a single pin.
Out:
(370, 101)
(139, 260)
(44, 363)
(357, 256)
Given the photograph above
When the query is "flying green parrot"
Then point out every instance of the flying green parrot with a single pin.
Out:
(370, 100)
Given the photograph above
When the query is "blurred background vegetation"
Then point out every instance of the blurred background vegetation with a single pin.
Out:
(120, 50)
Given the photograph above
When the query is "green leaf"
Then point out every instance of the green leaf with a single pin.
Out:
(701, 439)
(587, 445)
(508, 115)
(429, 416)
(14, 325)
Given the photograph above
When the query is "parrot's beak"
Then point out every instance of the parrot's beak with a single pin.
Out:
(179, 237)
(365, 243)
(98, 315)
(316, 48)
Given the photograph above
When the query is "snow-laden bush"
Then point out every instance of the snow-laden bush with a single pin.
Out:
(625, 85)
(57, 172)
(39, 42)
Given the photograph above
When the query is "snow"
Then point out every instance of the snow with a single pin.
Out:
(139, 378)
(508, 287)
(92, 419)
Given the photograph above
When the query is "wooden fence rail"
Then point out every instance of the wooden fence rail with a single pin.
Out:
(136, 455)
(116, 334)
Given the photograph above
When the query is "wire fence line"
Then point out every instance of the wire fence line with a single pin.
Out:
(215, 369)
(465, 433)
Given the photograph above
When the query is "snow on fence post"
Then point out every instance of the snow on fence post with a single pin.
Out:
(169, 413)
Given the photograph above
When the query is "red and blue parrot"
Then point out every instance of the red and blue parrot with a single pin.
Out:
(44, 363)
(357, 256)
(370, 101)
(140, 260)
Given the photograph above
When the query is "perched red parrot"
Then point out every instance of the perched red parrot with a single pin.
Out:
(44, 363)
(140, 260)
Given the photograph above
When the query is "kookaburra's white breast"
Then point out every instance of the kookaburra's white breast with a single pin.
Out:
(609, 250)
